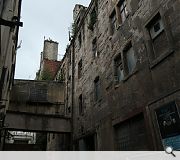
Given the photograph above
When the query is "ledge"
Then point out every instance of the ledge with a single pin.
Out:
(130, 75)
(159, 59)
(125, 78)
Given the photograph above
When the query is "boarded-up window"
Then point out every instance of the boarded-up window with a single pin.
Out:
(131, 135)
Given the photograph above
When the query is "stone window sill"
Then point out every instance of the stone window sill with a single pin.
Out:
(125, 79)
(130, 75)
(159, 59)
(121, 24)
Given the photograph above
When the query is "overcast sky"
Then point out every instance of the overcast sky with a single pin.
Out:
(49, 18)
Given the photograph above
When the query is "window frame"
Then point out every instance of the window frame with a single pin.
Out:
(125, 52)
(80, 40)
(113, 21)
(153, 59)
(80, 69)
(80, 103)
(118, 63)
(122, 9)
(97, 89)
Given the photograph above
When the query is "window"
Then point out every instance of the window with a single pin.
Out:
(97, 88)
(156, 28)
(122, 6)
(81, 110)
(130, 59)
(113, 20)
(119, 70)
(80, 40)
(168, 120)
(159, 41)
(130, 133)
(80, 69)
(94, 48)
(93, 19)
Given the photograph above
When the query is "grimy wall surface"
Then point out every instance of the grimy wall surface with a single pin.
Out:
(9, 9)
(37, 106)
(136, 65)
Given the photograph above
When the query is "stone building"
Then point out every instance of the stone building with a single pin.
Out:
(49, 63)
(9, 27)
(122, 75)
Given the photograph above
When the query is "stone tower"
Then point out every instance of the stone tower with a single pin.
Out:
(50, 50)
(49, 63)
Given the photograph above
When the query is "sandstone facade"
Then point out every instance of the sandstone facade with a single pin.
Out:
(122, 69)
(9, 27)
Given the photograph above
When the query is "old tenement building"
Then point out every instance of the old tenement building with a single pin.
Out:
(9, 28)
(122, 75)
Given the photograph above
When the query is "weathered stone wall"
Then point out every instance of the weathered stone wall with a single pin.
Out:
(37, 106)
(58, 142)
(8, 41)
(151, 79)
(8, 44)
(37, 97)
(50, 50)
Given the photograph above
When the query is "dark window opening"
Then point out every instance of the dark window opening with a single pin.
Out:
(93, 19)
(97, 89)
(80, 69)
(88, 143)
(113, 20)
(81, 110)
(94, 48)
(80, 40)
(157, 27)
